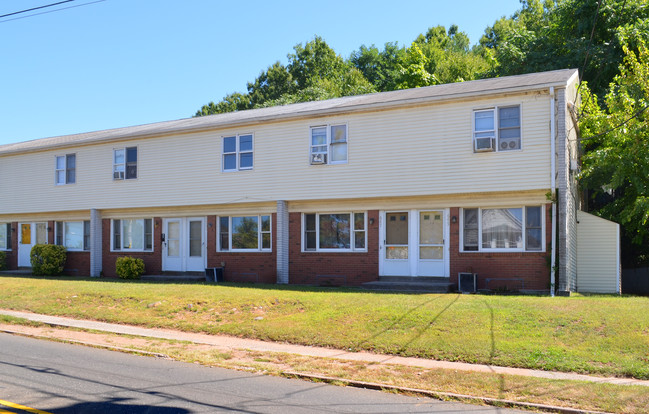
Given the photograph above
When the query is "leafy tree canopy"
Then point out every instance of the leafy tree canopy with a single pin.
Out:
(616, 139)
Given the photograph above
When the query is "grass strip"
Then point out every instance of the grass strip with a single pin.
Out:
(605, 335)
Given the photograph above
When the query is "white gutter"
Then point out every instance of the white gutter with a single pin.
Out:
(553, 180)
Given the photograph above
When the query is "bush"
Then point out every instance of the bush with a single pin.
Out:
(3, 260)
(47, 259)
(129, 267)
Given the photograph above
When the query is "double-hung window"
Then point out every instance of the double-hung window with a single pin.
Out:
(237, 152)
(503, 229)
(245, 233)
(497, 128)
(335, 231)
(125, 163)
(74, 235)
(5, 236)
(328, 144)
(66, 166)
(132, 234)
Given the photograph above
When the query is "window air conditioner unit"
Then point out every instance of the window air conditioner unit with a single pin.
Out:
(118, 175)
(484, 144)
(318, 158)
(467, 282)
(509, 144)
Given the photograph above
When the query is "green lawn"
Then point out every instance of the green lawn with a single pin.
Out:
(590, 334)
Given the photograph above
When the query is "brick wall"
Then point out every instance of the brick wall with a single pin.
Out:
(346, 269)
(152, 260)
(246, 267)
(530, 267)
(12, 256)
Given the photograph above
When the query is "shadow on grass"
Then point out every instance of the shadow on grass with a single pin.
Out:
(420, 331)
(259, 286)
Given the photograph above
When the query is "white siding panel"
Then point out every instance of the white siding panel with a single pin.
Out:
(425, 150)
(598, 261)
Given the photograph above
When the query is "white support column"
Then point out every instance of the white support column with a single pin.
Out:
(95, 243)
(282, 242)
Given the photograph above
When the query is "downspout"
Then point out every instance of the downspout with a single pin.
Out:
(553, 190)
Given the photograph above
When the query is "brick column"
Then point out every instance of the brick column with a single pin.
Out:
(282, 242)
(95, 243)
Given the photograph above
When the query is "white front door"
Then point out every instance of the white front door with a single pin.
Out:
(184, 247)
(414, 243)
(395, 252)
(30, 234)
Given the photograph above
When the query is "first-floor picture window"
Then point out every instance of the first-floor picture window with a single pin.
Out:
(74, 235)
(334, 231)
(133, 234)
(519, 228)
(5, 236)
(252, 233)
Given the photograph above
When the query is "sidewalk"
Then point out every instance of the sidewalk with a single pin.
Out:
(227, 342)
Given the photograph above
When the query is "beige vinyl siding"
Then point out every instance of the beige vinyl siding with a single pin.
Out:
(407, 152)
(598, 256)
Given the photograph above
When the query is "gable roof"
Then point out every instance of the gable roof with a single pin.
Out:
(482, 87)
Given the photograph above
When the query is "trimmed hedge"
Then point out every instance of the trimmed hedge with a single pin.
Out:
(3, 260)
(47, 259)
(129, 267)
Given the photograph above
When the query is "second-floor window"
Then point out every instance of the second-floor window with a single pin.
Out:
(66, 167)
(328, 144)
(237, 152)
(497, 128)
(125, 163)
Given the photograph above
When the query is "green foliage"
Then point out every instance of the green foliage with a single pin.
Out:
(3, 260)
(129, 267)
(616, 164)
(565, 34)
(47, 259)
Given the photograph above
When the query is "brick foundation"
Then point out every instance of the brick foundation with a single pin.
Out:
(336, 269)
(511, 271)
(243, 267)
(152, 260)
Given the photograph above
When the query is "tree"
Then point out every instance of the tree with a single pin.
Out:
(232, 102)
(380, 68)
(559, 34)
(615, 167)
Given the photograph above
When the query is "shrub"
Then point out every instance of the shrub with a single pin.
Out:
(47, 259)
(129, 267)
(3, 260)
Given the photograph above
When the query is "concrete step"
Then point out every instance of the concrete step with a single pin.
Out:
(176, 277)
(410, 284)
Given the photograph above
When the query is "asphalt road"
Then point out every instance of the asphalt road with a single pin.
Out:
(61, 378)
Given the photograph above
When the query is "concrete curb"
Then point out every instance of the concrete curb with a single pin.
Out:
(443, 395)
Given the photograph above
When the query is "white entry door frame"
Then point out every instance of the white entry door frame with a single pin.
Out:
(30, 234)
(414, 242)
(184, 246)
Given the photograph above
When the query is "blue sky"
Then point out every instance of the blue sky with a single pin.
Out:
(118, 63)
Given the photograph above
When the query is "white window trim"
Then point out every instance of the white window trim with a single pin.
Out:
(65, 169)
(352, 231)
(64, 223)
(123, 250)
(259, 248)
(125, 163)
(329, 143)
(502, 250)
(8, 237)
(237, 152)
(496, 109)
